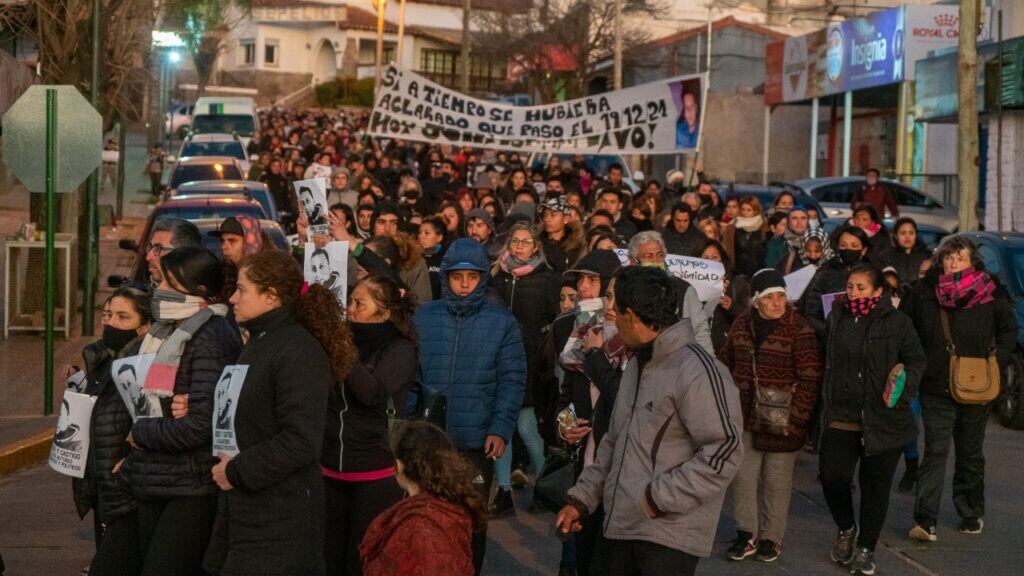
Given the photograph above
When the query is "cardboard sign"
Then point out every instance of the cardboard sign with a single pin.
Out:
(70, 448)
(225, 404)
(328, 267)
(312, 195)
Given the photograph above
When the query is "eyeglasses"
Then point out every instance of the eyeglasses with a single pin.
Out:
(158, 250)
(520, 242)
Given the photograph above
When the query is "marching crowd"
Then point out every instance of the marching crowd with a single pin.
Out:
(490, 329)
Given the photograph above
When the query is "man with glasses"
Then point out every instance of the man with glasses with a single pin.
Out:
(167, 235)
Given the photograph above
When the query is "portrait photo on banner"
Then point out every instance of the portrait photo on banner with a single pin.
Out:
(686, 94)
(312, 195)
(328, 267)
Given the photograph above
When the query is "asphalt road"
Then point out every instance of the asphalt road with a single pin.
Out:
(40, 533)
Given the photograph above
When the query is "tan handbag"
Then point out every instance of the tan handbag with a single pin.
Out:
(971, 380)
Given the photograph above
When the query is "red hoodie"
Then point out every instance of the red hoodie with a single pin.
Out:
(419, 536)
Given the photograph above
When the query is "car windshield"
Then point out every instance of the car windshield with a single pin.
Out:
(218, 211)
(197, 172)
(233, 149)
(240, 124)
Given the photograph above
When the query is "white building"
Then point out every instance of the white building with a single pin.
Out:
(289, 45)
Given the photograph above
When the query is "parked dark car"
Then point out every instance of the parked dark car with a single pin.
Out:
(211, 243)
(1003, 253)
(258, 191)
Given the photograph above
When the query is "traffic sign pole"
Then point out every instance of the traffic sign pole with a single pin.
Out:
(51, 230)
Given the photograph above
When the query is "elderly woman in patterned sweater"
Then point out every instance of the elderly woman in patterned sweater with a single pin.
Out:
(773, 355)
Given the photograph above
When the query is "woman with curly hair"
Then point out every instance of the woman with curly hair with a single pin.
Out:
(270, 510)
(428, 533)
(358, 468)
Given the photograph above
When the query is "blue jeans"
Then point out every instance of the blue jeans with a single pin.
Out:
(910, 450)
(526, 425)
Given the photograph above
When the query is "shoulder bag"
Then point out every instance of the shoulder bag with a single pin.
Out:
(971, 380)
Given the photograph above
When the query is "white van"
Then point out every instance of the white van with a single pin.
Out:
(226, 115)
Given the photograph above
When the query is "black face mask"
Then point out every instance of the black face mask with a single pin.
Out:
(850, 257)
(117, 338)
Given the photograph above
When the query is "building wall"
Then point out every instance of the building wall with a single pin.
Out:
(1012, 176)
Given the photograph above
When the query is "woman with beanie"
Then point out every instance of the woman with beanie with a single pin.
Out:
(270, 509)
(170, 457)
(357, 464)
(873, 365)
(773, 356)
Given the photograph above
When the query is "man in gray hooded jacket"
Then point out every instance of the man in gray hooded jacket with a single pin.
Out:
(673, 445)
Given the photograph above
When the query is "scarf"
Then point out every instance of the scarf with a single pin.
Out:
(253, 238)
(793, 240)
(965, 289)
(822, 237)
(176, 318)
(752, 224)
(860, 307)
(370, 338)
(517, 267)
(872, 230)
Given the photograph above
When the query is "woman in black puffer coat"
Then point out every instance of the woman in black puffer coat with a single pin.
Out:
(168, 466)
(830, 278)
(908, 251)
(103, 489)
(529, 287)
(270, 512)
(358, 467)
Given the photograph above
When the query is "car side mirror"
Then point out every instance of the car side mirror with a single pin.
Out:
(129, 245)
(116, 281)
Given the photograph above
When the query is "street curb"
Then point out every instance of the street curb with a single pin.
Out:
(25, 452)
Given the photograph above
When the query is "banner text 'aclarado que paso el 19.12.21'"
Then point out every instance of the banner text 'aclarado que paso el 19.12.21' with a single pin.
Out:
(657, 118)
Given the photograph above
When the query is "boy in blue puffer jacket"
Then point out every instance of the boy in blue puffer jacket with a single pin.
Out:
(471, 351)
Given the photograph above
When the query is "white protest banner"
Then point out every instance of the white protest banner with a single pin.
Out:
(328, 267)
(796, 282)
(704, 275)
(70, 447)
(129, 375)
(312, 195)
(657, 118)
(225, 404)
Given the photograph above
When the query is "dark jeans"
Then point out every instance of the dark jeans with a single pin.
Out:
(944, 420)
(155, 182)
(485, 471)
(591, 546)
(174, 534)
(840, 452)
(117, 553)
(640, 558)
(351, 506)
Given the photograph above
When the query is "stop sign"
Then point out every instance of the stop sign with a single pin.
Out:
(79, 138)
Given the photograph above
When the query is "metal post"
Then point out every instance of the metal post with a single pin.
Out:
(999, 127)
(618, 45)
(122, 148)
(847, 130)
(767, 140)
(161, 104)
(380, 41)
(464, 55)
(401, 32)
(92, 188)
(51, 256)
(812, 171)
(902, 110)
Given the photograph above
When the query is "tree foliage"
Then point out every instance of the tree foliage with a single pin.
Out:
(204, 26)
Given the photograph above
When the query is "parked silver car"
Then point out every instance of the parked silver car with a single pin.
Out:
(835, 195)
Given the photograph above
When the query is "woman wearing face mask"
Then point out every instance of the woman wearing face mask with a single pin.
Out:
(744, 237)
(773, 356)
(866, 218)
(830, 277)
(529, 287)
(103, 490)
(270, 510)
(358, 467)
(908, 251)
(170, 457)
(873, 366)
(958, 291)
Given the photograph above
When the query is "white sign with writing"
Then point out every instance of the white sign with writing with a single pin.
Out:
(70, 448)
(224, 407)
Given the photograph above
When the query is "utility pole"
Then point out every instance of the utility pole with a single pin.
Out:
(401, 32)
(967, 117)
(380, 42)
(618, 44)
(92, 188)
(464, 57)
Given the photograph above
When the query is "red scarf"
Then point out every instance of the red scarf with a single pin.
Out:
(966, 289)
(861, 307)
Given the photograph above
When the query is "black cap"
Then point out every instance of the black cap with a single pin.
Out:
(230, 225)
(603, 263)
(766, 281)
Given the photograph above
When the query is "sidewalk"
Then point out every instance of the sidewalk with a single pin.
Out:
(25, 433)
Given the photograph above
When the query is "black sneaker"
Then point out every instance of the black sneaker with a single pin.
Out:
(971, 526)
(743, 547)
(862, 563)
(768, 551)
(923, 533)
(842, 549)
(503, 504)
